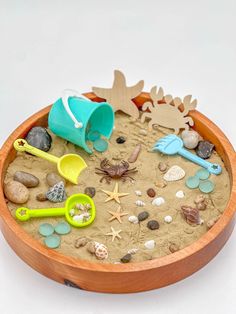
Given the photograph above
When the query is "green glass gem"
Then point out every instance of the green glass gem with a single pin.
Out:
(202, 174)
(100, 145)
(192, 182)
(53, 241)
(46, 229)
(62, 228)
(206, 186)
(93, 135)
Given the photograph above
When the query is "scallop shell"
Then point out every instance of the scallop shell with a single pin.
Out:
(175, 173)
(101, 251)
(140, 203)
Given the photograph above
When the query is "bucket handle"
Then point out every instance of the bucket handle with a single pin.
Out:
(65, 97)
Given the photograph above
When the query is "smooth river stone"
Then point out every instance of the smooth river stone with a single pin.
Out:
(16, 192)
(53, 178)
(29, 180)
(39, 138)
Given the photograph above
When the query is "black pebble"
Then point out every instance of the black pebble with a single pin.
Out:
(204, 149)
(126, 258)
(39, 138)
(143, 215)
(153, 224)
(120, 140)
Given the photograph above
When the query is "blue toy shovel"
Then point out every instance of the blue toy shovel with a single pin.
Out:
(172, 144)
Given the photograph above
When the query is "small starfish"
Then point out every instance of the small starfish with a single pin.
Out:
(117, 215)
(114, 234)
(120, 95)
(114, 195)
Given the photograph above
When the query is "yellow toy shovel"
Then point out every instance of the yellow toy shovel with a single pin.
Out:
(69, 166)
(24, 214)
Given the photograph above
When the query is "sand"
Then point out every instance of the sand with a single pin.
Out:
(178, 232)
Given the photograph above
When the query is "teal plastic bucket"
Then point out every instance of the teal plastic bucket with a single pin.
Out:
(94, 116)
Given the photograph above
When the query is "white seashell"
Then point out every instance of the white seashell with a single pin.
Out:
(190, 139)
(158, 201)
(180, 194)
(175, 173)
(150, 244)
(138, 193)
(143, 132)
(72, 212)
(140, 203)
(101, 251)
(168, 219)
(133, 251)
(78, 218)
(133, 219)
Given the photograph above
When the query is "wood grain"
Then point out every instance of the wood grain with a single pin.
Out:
(117, 278)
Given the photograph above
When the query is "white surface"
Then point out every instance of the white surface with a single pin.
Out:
(186, 46)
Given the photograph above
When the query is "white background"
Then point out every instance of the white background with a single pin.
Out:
(184, 46)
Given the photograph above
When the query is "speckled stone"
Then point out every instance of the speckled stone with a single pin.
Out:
(204, 149)
(143, 215)
(39, 138)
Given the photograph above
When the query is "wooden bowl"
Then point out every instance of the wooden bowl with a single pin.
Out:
(119, 278)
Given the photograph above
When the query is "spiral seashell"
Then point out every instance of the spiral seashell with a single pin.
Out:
(138, 193)
(140, 203)
(132, 251)
(191, 215)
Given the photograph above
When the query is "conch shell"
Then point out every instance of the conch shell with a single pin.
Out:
(191, 215)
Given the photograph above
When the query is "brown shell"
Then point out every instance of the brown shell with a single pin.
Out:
(191, 215)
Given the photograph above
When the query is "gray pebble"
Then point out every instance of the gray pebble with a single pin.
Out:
(143, 215)
(29, 180)
(204, 149)
(126, 258)
(39, 138)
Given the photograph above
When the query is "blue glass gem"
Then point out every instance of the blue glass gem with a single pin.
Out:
(192, 182)
(53, 241)
(202, 174)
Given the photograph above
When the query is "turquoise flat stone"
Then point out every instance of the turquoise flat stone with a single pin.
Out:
(192, 182)
(62, 228)
(202, 174)
(206, 186)
(53, 241)
(93, 135)
(46, 229)
(100, 145)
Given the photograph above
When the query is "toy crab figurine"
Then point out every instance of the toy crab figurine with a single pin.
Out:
(164, 111)
(110, 171)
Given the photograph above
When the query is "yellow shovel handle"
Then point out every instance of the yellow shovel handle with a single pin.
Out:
(22, 146)
(24, 213)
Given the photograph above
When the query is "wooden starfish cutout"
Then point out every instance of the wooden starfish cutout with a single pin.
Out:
(120, 96)
(114, 195)
(117, 215)
(114, 234)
